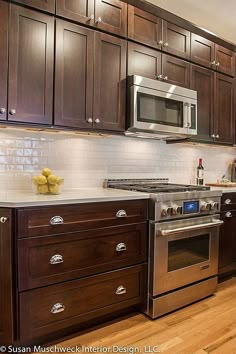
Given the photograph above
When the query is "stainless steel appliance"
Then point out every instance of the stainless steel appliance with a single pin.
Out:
(160, 110)
(183, 242)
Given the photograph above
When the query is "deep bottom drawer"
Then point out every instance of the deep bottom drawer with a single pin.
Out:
(50, 309)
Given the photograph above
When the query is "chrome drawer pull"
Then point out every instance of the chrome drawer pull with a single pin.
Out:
(56, 220)
(121, 247)
(121, 213)
(3, 219)
(56, 259)
(228, 214)
(58, 308)
(228, 201)
(120, 290)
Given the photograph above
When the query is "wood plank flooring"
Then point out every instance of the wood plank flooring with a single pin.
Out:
(208, 326)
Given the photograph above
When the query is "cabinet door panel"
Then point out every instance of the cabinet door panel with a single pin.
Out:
(224, 105)
(176, 40)
(202, 80)
(176, 70)
(109, 83)
(226, 60)
(73, 75)
(46, 5)
(144, 27)
(113, 15)
(30, 66)
(3, 59)
(77, 10)
(6, 276)
(202, 50)
(143, 61)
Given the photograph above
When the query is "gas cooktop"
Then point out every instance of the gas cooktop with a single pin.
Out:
(158, 185)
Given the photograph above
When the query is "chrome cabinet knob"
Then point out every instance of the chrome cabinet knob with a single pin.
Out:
(56, 220)
(213, 135)
(159, 77)
(165, 78)
(228, 214)
(90, 18)
(213, 62)
(56, 259)
(90, 120)
(2, 110)
(120, 290)
(218, 64)
(57, 308)
(121, 213)
(99, 19)
(97, 120)
(228, 201)
(3, 219)
(217, 136)
(160, 42)
(12, 111)
(165, 44)
(121, 247)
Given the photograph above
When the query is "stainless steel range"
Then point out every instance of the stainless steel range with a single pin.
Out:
(183, 242)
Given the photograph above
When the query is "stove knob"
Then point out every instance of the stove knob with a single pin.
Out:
(205, 206)
(166, 210)
(214, 205)
(176, 209)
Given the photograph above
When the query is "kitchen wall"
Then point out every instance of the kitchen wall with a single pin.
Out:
(87, 161)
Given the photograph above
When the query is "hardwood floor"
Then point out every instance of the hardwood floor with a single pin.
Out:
(208, 326)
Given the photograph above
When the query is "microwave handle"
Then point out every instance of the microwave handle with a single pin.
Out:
(189, 115)
(186, 115)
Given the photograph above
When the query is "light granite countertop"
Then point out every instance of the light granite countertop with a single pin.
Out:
(16, 199)
(224, 189)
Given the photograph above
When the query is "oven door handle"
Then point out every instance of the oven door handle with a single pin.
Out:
(191, 228)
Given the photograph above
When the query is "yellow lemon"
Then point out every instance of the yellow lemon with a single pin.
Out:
(46, 171)
(42, 188)
(54, 189)
(40, 180)
(59, 180)
(52, 179)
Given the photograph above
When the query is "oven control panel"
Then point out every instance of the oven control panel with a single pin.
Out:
(186, 208)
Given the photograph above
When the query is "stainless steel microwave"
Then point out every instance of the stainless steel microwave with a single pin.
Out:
(160, 110)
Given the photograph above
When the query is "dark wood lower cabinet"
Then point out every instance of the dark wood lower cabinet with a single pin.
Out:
(3, 59)
(6, 278)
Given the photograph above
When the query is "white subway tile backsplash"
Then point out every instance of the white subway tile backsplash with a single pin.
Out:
(87, 161)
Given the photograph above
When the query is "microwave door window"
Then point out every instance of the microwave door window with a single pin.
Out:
(159, 110)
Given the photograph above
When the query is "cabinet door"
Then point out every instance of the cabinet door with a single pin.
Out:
(30, 66)
(6, 307)
(224, 105)
(226, 242)
(46, 5)
(202, 50)
(77, 10)
(202, 80)
(73, 75)
(175, 71)
(144, 27)
(143, 61)
(225, 60)
(3, 59)
(109, 83)
(111, 16)
(176, 40)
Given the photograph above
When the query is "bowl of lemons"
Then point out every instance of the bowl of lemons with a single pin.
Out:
(47, 182)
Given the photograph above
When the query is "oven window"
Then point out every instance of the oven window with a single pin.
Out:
(159, 110)
(187, 252)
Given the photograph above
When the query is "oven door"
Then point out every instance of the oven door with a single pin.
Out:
(162, 111)
(183, 252)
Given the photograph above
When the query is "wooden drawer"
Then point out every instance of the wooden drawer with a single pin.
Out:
(52, 259)
(79, 301)
(77, 217)
(228, 201)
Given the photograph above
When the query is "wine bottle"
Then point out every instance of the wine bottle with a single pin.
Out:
(200, 173)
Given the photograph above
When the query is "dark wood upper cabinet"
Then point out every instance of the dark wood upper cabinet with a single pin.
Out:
(202, 80)
(144, 27)
(175, 71)
(111, 16)
(143, 61)
(31, 47)
(46, 5)
(202, 51)
(109, 83)
(78, 10)
(224, 106)
(6, 276)
(73, 75)
(3, 59)
(225, 60)
(176, 40)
